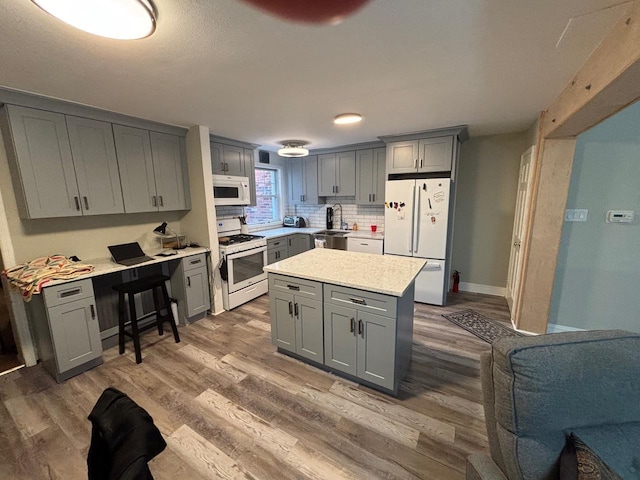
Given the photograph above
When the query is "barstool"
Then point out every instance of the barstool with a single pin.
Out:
(152, 282)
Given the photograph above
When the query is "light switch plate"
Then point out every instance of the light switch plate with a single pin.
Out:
(576, 215)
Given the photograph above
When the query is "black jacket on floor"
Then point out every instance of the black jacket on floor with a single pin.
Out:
(123, 439)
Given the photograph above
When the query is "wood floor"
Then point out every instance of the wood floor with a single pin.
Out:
(230, 407)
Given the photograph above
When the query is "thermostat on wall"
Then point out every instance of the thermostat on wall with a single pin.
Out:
(620, 216)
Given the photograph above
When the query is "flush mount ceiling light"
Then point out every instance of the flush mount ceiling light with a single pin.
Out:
(118, 19)
(346, 118)
(293, 148)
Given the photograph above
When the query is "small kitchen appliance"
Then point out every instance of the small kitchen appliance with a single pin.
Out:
(294, 222)
(242, 259)
(230, 190)
(329, 218)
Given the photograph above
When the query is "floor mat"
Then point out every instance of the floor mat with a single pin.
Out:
(481, 326)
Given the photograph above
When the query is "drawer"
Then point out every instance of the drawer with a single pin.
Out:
(364, 245)
(194, 261)
(67, 292)
(361, 300)
(279, 242)
(296, 286)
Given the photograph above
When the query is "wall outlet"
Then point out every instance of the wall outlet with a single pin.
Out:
(576, 215)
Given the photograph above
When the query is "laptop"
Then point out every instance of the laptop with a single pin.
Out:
(128, 254)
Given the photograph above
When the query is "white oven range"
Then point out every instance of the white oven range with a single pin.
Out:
(242, 259)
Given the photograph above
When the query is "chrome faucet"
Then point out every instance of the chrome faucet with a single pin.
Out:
(343, 225)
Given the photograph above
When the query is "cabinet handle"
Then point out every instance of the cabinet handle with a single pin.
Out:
(290, 308)
(86, 203)
(337, 189)
(296, 309)
(276, 243)
(93, 312)
(304, 198)
(374, 196)
(352, 324)
(69, 293)
(421, 160)
(301, 198)
(369, 197)
(188, 281)
(277, 255)
(77, 203)
(193, 262)
(359, 301)
(293, 287)
(161, 201)
(289, 242)
(153, 201)
(364, 244)
(360, 328)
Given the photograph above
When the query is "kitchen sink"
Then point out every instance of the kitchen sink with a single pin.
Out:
(333, 239)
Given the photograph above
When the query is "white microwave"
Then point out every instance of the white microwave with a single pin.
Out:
(230, 190)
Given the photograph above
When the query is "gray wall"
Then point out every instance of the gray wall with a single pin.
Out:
(598, 271)
(485, 204)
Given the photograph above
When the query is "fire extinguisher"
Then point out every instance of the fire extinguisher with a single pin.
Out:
(456, 281)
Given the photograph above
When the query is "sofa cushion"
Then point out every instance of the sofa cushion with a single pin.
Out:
(548, 385)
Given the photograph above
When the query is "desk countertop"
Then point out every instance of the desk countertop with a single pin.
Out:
(104, 265)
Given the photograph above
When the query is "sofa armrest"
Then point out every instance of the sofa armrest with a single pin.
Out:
(481, 467)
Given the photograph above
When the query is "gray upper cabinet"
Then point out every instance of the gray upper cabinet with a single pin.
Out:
(170, 171)
(424, 156)
(217, 163)
(370, 176)
(227, 160)
(44, 175)
(133, 147)
(96, 166)
(153, 170)
(250, 171)
(337, 174)
(303, 180)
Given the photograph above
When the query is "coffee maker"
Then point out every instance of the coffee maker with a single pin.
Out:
(329, 218)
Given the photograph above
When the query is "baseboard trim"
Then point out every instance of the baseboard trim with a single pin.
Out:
(526, 332)
(553, 328)
(485, 289)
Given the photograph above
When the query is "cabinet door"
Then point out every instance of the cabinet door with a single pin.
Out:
(250, 171)
(170, 170)
(327, 175)
(402, 157)
(283, 327)
(133, 148)
(309, 328)
(233, 158)
(75, 333)
(196, 291)
(380, 176)
(96, 166)
(435, 154)
(340, 351)
(296, 181)
(364, 176)
(217, 166)
(346, 174)
(376, 348)
(310, 194)
(44, 159)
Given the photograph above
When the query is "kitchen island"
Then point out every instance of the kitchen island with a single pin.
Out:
(349, 313)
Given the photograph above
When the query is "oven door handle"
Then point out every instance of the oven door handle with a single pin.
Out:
(245, 253)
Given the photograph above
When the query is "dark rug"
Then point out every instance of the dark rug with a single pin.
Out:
(481, 326)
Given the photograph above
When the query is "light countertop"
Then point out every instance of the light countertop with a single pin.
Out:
(282, 232)
(367, 234)
(104, 265)
(386, 274)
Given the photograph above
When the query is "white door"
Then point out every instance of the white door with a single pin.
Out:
(520, 228)
(432, 218)
(398, 217)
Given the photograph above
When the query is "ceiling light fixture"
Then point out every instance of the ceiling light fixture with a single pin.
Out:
(118, 19)
(293, 148)
(346, 118)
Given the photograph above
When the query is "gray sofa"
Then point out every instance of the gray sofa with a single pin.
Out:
(537, 390)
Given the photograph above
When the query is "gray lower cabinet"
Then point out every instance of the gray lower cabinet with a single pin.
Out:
(153, 170)
(277, 249)
(296, 322)
(303, 180)
(65, 325)
(298, 243)
(337, 174)
(190, 287)
(370, 176)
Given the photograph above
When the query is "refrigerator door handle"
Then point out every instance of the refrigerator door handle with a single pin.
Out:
(413, 222)
(416, 221)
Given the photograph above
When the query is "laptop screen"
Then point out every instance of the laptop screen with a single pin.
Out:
(126, 251)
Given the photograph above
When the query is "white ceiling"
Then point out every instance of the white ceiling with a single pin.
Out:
(405, 65)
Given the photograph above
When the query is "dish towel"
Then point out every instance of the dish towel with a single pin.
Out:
(30, 277)
(320, 243)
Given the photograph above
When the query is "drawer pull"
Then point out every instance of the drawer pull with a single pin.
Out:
(293, 287)
(296, 309)
(86, 203)
(75, 199)
(360, 328)
(359, 301)
(364, 244)
(70, 293)
(194, 262)
(353, 324)
(93, 312)
(276, 243)
(290, 309)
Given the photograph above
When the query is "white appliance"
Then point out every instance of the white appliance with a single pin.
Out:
(242, 259)
(230, 190)
(416, 222)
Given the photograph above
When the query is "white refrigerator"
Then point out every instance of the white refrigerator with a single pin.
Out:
(416, 224)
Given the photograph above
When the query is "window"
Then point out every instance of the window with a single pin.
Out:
(268, 207)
